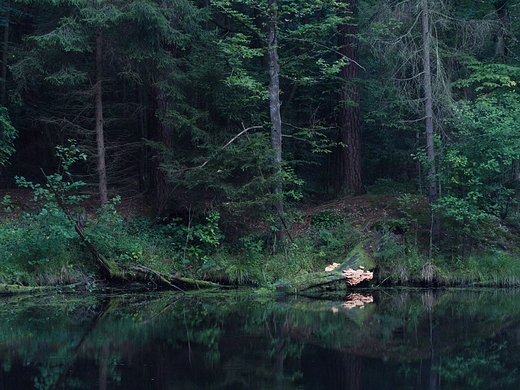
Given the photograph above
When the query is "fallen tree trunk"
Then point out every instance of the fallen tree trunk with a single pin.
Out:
(136, 273)
(11, 289)
(145, 274)
(355, 269)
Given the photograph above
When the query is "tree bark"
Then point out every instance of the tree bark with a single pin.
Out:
(349, 179)
(5, 48)
(274, 105)
(143, 152)
(162, 133)
(100, 140)
(502, 34)
(428, 109)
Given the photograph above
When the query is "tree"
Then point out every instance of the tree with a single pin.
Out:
(6, 10)
(296, 45)
(100, 134)
(7, 132)
(274, 103)
(60, 58)
(7, 136)
(418, 76)
(428, 118)
(266, 13)
(479, 166)
(502, 36)
(166, 38)
(99, 67)
(349, 164)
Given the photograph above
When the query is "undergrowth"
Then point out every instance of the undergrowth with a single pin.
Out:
(40, 245)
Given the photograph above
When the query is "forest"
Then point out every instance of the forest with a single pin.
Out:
(246, 142)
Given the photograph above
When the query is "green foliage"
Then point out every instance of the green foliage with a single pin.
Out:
(196, 241)
(42, 247)
(6, 203)
(492, 268)
(330, 238)
(44, 241)
(397, 261)
(478, 170)
(192, 78)
(491, 78)
(246, 266)
(7, 136)
(241, 174)
(326, 219)
(59, 184)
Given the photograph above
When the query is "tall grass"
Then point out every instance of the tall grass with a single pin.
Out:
(492, 268)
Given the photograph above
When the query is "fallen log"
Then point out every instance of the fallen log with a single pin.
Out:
(11, 289)
(355, 269)
(145, 274)
(138, 273)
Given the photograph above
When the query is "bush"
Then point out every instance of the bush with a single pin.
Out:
(41, 248)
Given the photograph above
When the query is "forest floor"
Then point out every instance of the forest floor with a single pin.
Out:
(366, 211)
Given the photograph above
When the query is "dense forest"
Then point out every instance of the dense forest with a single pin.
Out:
(265, 138)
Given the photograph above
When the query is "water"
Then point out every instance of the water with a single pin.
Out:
(392, 339)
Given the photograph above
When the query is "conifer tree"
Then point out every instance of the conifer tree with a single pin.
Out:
(5, 10)
(349, 164)
(98, 64)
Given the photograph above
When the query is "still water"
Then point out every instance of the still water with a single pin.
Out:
(390, 339)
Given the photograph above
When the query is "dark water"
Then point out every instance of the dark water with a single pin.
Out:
(380, 340)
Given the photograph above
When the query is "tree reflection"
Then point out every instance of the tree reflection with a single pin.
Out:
(400, 340)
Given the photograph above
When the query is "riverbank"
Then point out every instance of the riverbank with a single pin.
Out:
(42, 248)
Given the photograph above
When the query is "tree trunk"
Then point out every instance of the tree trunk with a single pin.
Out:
(357, 267)
(100, 140)
(162, 133)
(428, 109)
(349, 180)
(5, 48)
(274, 105)
(502, 34)
(143, 150)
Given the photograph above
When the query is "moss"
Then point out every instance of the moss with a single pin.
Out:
(358, 258)
(17, 289)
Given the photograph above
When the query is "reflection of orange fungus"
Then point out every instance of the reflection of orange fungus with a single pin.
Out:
(357, 300)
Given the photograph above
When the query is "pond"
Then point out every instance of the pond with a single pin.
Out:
(385, 339)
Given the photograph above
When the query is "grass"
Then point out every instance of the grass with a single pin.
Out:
(491, 268)
(43, 249)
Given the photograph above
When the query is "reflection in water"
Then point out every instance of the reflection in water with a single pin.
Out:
(384, 340)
